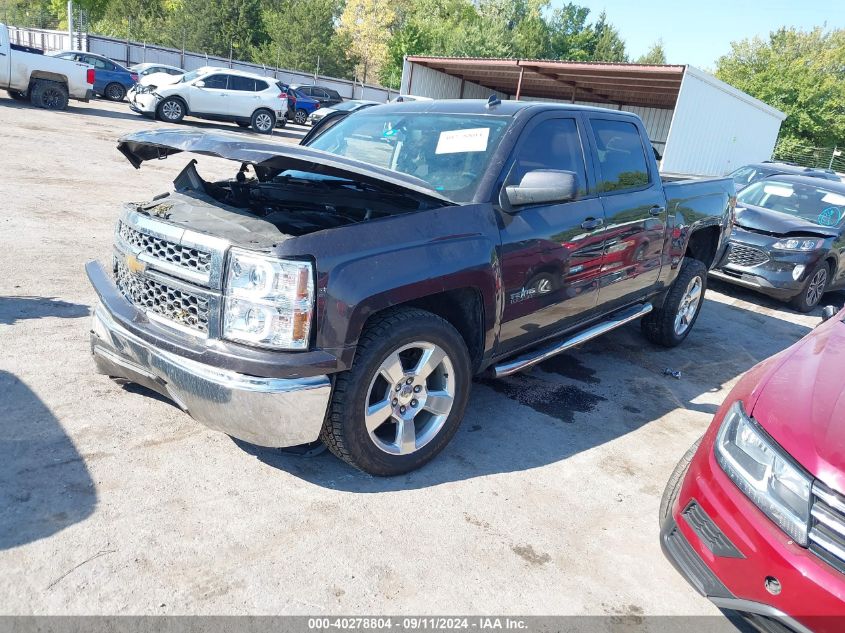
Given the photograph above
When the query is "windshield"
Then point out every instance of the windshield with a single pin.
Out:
(448, 151)
(744, 175)
(346, 105)
(191, 76)
(814, 204)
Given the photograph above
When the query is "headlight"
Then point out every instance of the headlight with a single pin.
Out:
(799, 244)
(765, 473)
(268, 301)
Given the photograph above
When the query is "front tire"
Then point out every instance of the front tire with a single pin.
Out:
(171, 110)
(263, 121)
(813, 291)
(114, 92)
(676, 479)
(670, 324)
(17, 95)
(50, 95)
(404, 397)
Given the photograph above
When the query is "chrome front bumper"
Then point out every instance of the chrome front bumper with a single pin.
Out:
(264, 411)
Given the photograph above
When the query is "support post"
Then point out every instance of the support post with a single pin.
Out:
(519, 83)
(70, 22)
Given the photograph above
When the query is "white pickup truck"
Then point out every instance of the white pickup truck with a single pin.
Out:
(48, 82)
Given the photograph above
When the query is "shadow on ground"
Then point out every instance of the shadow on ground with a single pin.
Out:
(605, 389)
(44, 484)
(14, 309)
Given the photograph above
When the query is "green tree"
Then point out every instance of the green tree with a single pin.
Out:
(302, 36)
(215, 27)
(655, 54)
(799, 72)
(570, 36)
(28, 13)
(609, 46)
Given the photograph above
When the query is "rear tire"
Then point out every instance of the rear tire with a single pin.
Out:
(404, 397)
(670, 324)
(50, 95)
(114, 92)
(17, 95)
(171, 110)
(242, 124)
(676, 479)
(813, 291)
(300, 116)
(263, 121)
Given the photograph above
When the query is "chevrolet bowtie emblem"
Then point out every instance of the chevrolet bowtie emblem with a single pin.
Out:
(134, 264)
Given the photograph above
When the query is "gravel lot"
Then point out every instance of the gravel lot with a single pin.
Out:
(113, 501)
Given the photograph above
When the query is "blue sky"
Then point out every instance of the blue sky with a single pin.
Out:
(698, 32)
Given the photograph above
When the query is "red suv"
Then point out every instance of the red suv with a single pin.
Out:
(754, 514)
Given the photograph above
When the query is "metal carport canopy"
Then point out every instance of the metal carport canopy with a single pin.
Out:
(646, 85)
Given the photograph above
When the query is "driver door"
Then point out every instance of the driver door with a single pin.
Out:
(551, 253)
(212, 98)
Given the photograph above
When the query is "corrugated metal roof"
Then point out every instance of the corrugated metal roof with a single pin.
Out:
(602, 82)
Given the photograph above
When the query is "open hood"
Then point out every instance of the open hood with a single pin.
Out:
(775, 223)
(267, 157)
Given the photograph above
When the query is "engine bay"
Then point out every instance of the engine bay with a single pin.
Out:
(298, 202)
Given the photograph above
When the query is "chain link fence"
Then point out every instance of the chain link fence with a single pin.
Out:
(806, 156)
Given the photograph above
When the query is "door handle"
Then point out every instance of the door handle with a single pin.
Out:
(656, 210)
(592, 223)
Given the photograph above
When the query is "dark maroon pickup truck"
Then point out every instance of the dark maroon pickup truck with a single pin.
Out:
(348, 290)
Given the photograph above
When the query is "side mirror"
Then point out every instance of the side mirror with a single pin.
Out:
(200, 84)
(828, 312)
(543, 186)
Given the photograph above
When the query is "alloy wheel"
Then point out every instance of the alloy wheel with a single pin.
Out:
(263, 122)
(815, 289)
(410, 398)
(51, 98)
(171, 110)
(300, 116)
(689, 306)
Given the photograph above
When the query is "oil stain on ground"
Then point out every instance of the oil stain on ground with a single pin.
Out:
(552, 399)
(570, 367)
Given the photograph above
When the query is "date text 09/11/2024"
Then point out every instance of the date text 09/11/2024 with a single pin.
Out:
(480, 623)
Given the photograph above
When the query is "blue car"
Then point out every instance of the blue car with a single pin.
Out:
(300, 105)
(111, 80)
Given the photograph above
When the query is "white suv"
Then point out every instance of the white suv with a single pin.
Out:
(219, 94)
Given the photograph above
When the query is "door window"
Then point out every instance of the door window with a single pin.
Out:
(622, 159)
(552, 144)
(245, 84)
(216, 81)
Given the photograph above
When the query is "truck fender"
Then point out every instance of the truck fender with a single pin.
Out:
(366, 268)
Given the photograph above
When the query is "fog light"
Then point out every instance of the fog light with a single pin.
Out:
(797, 271)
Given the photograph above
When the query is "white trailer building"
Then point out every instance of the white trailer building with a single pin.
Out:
(701, 125)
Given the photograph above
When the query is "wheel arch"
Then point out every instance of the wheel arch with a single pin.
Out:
(48, 76)
(703, 243)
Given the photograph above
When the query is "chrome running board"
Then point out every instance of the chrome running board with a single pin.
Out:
(538, 356)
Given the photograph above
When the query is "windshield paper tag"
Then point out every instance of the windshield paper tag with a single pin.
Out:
(456, 141)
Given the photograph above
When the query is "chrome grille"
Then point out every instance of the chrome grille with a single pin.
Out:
(180, 306)
(741, 255)
(183, 256)
(827, 526)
